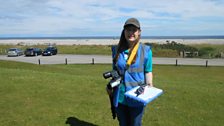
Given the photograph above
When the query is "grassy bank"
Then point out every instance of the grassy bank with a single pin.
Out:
(33, 95)
(165, 50)
(66, 49)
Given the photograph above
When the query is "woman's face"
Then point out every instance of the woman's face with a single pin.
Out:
(132, 34)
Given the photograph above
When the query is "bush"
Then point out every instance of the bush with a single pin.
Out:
(207, 52)
(165, 53)
(174, 46)
(170, 49)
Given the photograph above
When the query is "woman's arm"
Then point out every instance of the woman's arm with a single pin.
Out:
(148, 79)
(148, 70)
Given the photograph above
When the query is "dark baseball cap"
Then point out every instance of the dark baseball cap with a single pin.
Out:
(132, 21)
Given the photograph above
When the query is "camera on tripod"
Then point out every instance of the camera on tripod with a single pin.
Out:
(116, 78)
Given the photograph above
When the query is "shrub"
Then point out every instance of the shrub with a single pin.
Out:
(207, 52)
(170, 49)
(165, 53)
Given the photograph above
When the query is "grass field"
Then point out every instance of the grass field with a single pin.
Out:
(50, 95)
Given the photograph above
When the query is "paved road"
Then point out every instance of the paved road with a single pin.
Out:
(88, 59)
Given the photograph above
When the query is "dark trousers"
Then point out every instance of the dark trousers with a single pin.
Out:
(129, 116)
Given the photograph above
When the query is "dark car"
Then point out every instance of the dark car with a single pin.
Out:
(33, 52)
(14, 52)
(49, 51)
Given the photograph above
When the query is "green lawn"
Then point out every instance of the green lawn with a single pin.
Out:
(46, 95)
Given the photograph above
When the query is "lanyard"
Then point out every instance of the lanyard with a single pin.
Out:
(132, 55)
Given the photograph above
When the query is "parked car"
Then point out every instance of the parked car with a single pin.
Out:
(49, 51)
(33, 52)
(15, 52)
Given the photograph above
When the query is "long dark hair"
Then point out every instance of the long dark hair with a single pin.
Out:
(122, 45)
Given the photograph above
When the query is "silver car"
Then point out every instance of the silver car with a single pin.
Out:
(15, 52)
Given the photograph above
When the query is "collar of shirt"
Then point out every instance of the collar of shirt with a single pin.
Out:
(126, 54)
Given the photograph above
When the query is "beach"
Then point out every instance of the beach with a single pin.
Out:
(102, 41)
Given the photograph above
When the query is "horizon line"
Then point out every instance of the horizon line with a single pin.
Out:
(117, 37)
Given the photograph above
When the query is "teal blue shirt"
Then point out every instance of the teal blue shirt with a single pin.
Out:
(148, 68)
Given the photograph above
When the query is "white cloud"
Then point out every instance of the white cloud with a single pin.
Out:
(105, 17)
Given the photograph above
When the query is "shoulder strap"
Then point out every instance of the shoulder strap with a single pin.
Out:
(132, 54)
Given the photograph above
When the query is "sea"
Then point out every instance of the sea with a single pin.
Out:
(117, 37)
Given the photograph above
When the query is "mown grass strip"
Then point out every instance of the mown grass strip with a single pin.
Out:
(48, 94)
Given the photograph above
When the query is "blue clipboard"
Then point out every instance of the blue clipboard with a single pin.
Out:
(150, 93)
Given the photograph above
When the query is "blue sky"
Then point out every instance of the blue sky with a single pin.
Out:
(42, 18)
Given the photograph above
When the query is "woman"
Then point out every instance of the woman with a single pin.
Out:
(133, 60)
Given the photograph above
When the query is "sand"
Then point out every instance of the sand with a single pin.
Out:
(102, 41)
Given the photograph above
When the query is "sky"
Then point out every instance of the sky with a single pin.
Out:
(74, 18)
